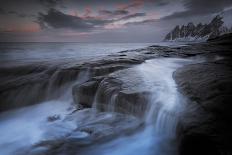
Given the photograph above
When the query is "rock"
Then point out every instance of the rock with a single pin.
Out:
(46, 84)
(48, 79)
(16, 98)
(64, 76)
(107, 69)
(209, 86)
(124, 92)
(224, 40)
(53, 118)
(84, 93)
(193, 144)
(132, 102)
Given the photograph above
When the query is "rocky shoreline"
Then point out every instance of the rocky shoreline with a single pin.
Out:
(207, 85)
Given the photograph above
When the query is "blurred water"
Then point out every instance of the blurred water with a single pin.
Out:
(35, 52)
(24, 127)
(161, 118)
(27, 126)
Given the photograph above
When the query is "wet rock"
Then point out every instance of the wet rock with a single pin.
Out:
(107, 69)
(63, 76)
(53, 118)
(123, 92)
(132, 102)
(209, 86)
(84, 93)
(29, 89)
(22, 96)
(193, 144)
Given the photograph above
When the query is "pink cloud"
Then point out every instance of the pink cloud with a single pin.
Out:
(28, 27)
(135, 4)
(88, 11)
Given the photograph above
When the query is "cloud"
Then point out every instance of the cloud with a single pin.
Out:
(114, 13)
(142, 22)
(15, 13)
(22, 15)
(2, 11)
(200, 7)
(133, 4)
(162, 3)
(51, 3)
(133, 16)
(12, 12)
(57, 19)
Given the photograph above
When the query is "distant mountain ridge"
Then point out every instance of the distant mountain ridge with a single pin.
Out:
(199, 32)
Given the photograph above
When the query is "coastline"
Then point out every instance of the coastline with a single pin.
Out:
(192, 80)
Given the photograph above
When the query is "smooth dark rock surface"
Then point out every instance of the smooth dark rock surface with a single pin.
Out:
(208, 85)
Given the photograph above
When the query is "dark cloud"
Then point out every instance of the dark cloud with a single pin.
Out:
(133, 16)
(162, 3)
(2, 11)
(12, 12)
(133, 4)
(114, 13)
(57, 19)
(200, 7)
(18, 14)
(23, 15)
(51, 3)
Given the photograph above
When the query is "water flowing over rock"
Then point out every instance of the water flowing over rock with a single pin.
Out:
(50, 81)
(34, 86)
(126, 103)
(122, 92)
(146, 91)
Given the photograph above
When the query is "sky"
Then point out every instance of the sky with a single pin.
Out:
(102, 20)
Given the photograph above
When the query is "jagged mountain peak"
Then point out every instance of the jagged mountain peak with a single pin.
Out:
(190, 24)
(199, 32)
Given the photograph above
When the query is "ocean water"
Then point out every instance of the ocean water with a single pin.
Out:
(36, 52)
